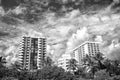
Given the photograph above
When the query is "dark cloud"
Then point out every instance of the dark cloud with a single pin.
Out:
(4, 34)
(117, 30)
(9, 3)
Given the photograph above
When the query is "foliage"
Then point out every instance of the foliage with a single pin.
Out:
(48, 72)
(23, 75)
(9, 78)
(98, 65)
(115, 77)
(94, 63)
(112, 66)
(101, 75)
(80, 72)
(72, 65)
(53, 72)
(48, 61)
(16, 66)
(91, 70)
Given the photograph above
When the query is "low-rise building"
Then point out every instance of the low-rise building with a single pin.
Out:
(64, 61)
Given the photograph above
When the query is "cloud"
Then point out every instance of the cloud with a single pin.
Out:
(4, 34)
(77, 38)
(63, 33)
(114, 51)
(58, 50)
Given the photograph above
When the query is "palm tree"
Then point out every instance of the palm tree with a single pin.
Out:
(48, 61)
(90, 64)
(72, 65)
(108, 65)
(87, 60)
(16, 66)
(4, 71)
(80, 72)
(112, 67)
(2, 61)
(99, 58)
(116, 67)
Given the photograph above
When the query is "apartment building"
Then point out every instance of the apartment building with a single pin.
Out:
(86, 48)
(32, 53)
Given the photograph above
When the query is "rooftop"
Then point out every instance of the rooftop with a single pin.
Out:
(84, 44)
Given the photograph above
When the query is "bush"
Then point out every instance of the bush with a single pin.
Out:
(9, 78)
(101, 75)
(115, 77)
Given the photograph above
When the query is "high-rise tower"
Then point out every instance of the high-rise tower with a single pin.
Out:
(33, 52)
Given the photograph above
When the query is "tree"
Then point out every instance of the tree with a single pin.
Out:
(112, 67)
(32, 75)
(3, 70)
(53, 73)
(80, 72)
(92, 63)
(72, 65)
(8, 73)
(16, 66)
(48, 61)
(23, 75)
(2, 62)
(9, 78)
(101, 75)
(87, 60)
(99, 58)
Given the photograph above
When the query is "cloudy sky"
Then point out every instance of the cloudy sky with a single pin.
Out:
(64, 33)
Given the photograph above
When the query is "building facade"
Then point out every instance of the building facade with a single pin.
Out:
(64, 61)
(87, 48)
(32, 53)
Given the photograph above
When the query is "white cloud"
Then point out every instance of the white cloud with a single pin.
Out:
(77, 38)
(65, 33)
